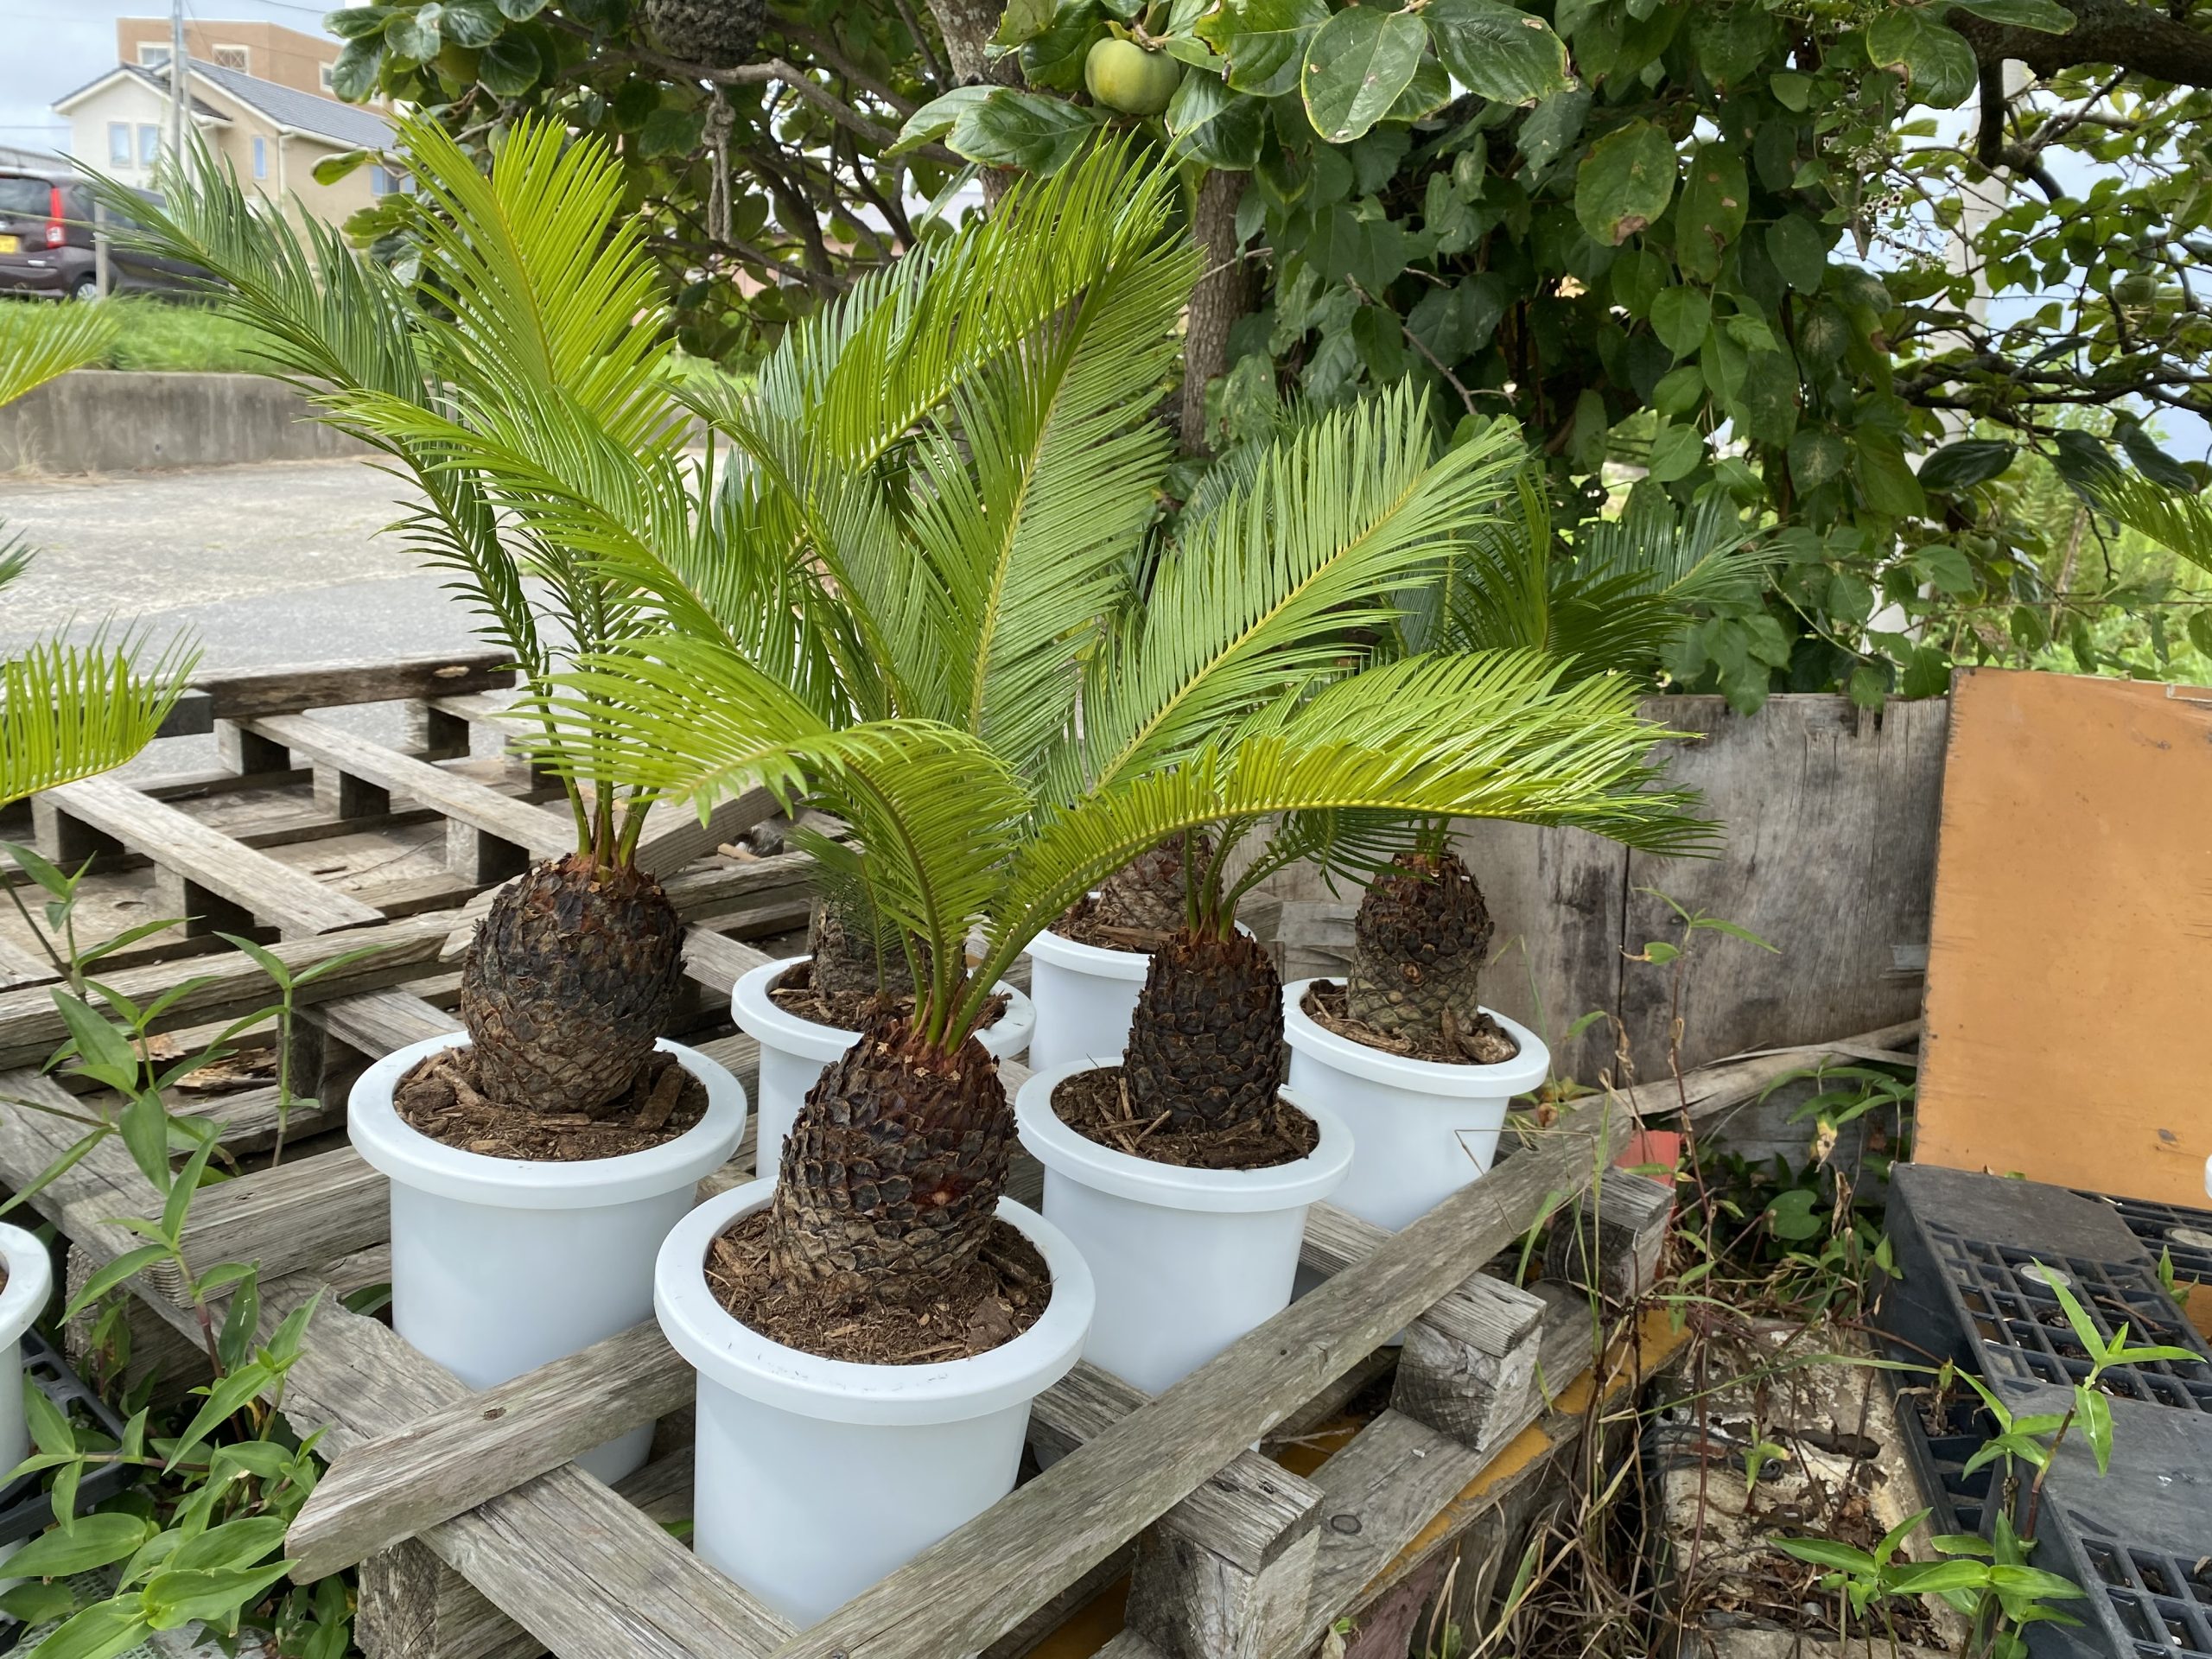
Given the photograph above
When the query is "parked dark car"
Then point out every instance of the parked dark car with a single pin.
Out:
(46, 244)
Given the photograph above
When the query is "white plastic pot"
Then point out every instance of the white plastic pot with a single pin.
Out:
(793, 1051)
(1186, 1259)
(1420, 1129)
(815, 1478)
(1085, 997)
(31, 1282)
(499, 1265)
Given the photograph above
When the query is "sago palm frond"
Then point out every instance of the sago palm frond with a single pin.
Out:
(2180, 523)
(1269, 590)
(39, 343)
(1628, 589)
(69, 711)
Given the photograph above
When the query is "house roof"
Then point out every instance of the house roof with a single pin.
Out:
(291, 110)
(159, 82)
(298, 111)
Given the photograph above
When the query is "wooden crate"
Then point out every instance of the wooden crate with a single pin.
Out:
(1154, 1523)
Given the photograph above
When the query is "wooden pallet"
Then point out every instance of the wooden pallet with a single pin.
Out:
(474, 1532)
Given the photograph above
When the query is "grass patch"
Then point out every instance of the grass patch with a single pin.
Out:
(178, 338)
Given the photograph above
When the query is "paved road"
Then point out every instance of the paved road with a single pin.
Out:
(274, 563)
(266, 564)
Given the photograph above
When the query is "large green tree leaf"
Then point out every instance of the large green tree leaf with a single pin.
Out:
(1625, 182)
(1264, 41)
(1357, 65)
(1716, 196)
(1937, 64)
(1497, 51)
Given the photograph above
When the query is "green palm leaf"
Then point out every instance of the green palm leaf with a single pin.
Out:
(68, 712)
(2180, 523)
(38, 343)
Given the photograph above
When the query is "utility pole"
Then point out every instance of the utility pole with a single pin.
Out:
(180, 85)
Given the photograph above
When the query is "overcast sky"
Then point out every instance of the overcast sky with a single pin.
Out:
(53, 47)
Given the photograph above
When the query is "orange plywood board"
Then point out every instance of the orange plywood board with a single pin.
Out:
(2070, 972)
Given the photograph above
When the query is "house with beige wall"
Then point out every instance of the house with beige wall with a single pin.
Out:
(270, 134)
(265, 51)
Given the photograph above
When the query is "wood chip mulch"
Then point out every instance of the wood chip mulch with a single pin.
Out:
(1488, 1044)
(1004, 1293)
(793, 992)
(1080, 922)
(440, 1098)
(1096, 1105)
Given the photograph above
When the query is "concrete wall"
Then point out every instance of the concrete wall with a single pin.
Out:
(102, 420)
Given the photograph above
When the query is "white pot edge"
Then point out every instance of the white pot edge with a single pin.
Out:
(1521, 1075)
(761, 1018)
(1095, 960)
(740, 1359)
(409, 1156)
(1217, 1191)
(30, 1283)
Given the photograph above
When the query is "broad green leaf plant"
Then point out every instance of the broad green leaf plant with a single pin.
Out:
(70, 711)
(204, 1541)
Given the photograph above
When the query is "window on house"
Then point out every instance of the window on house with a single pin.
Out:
(149, 144)
(118, 143)
(381, 181)
(240, 58)
(153, 54)
(260, 158)
(328, 84)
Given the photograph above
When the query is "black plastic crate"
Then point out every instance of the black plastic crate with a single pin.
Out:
(25, 1505)
(2138, 1539)
(1976, 1256)
(2183, 1235)
(1938, 1455)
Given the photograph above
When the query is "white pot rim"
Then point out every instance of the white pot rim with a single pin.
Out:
(1095, 960)
(409, 1156)
(739, 1358)
(30, 1281)
(1217, 1191)
(1521, 1075)
(760, 1017)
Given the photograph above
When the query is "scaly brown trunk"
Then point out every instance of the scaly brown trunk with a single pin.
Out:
(893, 1171)
(1207, 1045)
(572, 975)
(1223, 295)
(1419, 943)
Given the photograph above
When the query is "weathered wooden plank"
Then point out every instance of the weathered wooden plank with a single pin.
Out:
(446, 1461)
(676, 843)
(377, 1023)
(276, 892)
(717, 961)
(1847, 801)
(301, 1213)
(463, 800)
(252, 693)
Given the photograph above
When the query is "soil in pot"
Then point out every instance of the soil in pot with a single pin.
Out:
(795, 993)
(442, 1097)
(1083, 924)
(1487, 1043)
(1001, 1295)
(1096, 1104)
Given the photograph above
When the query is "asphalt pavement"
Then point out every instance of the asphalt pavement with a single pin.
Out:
(275, 564)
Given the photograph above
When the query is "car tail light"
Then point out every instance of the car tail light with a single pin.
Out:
(55, 232)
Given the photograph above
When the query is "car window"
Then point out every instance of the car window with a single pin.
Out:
(25, 198)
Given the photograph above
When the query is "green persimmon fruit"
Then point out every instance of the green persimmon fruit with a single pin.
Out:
(1123, 75)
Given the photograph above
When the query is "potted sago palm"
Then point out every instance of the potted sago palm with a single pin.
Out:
(537, 1157)
(66, 712)
(1404, 1045)
(877, 1308)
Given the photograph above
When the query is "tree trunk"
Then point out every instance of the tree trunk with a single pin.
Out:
(1223, 295)
(968, 26)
